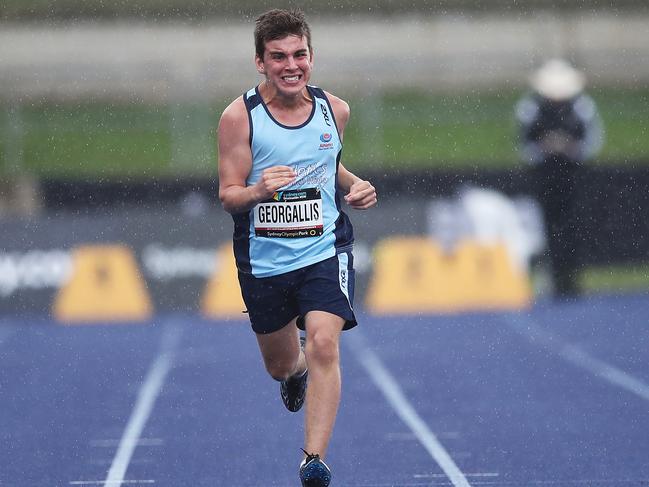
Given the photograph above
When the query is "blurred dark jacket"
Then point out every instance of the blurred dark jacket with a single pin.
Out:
(568, 130)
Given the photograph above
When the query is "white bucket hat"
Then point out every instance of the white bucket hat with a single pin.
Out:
(557, 80)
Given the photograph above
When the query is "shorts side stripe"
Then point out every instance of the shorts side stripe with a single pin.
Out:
(343, 275)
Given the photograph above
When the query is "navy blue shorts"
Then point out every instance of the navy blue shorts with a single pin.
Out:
(274, 301)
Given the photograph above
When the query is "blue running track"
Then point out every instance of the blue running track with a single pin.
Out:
(557, 396)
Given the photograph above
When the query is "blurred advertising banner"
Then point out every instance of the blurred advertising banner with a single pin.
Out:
(126, 264)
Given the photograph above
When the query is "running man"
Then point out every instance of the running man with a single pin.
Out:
(281, 178)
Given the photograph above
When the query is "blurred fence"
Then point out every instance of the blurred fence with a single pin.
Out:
(151, 61)
(201, 9)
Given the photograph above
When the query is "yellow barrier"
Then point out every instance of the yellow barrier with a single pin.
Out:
(410, 275)
(105, 285)
(415, 275)
(222, 298)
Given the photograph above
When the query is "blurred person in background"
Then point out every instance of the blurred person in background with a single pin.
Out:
(559, 129)
(281, 178)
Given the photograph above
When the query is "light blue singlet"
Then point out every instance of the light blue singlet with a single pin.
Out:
(302, 223)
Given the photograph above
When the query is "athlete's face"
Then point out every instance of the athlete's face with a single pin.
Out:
(287, 64)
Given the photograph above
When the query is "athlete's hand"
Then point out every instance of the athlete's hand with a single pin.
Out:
(272, 179)
(361, 196)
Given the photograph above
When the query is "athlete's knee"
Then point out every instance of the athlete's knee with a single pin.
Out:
(280, 371)
(322, 347)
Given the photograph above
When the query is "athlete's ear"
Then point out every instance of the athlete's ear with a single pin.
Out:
(259, 63)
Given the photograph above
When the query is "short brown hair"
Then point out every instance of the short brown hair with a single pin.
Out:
(277, 24)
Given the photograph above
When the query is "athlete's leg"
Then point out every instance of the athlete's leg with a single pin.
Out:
(323, 394)
(281, 352)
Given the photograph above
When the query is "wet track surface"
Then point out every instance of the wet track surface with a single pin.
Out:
(555, 396)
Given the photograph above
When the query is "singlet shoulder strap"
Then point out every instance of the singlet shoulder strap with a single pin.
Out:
(251, 99)
(319, 93)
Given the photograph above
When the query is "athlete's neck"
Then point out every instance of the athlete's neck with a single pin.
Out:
(275, 98)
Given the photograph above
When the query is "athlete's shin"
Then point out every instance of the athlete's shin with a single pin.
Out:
(323, 392)
(322, 400)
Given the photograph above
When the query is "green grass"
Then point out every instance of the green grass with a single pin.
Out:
(615, 279)
(109, 140)
(626, 123)
(395, 131)
(414, 130)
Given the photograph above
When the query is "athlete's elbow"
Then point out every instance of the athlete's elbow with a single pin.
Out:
(226, 201)
(229, 207)
(231, 204)
(237, 199)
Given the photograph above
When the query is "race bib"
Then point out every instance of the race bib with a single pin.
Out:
(290, 214)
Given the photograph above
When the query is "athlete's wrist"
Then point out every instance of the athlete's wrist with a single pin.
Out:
(257, 193)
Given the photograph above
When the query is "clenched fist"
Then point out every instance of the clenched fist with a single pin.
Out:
(272, 179)
(361, 196)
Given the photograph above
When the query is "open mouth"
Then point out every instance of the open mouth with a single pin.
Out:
(292, 79)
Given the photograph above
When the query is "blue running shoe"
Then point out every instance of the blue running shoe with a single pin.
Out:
(293, 389)
(314, 472)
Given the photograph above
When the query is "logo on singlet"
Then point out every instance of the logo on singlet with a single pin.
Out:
(325, 138)
(325, 114)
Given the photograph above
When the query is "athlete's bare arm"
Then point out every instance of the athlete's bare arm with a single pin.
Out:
(235, 163)
(360, 193)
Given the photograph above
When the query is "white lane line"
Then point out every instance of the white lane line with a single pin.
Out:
(115, 483)
(138, 441)
(146, 398)
(527, 327)
(395, 397)
(439, 475)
